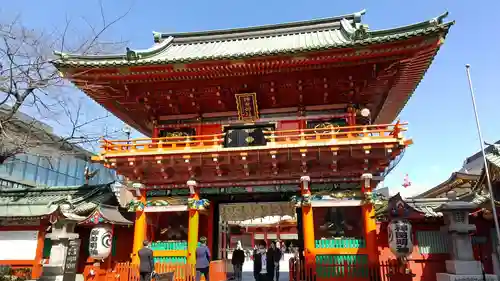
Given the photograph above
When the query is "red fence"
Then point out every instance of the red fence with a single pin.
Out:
(181, 272)
(384, 271)
(299, 271)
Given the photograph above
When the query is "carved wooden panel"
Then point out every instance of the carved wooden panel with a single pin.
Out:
(177, 132)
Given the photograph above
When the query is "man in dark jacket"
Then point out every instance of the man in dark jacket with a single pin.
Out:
(146, 266)
(237, 260)
(263, 263)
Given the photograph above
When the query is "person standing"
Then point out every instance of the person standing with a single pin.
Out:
(146, 263)
(202, 260)
(275, 255)
(263, 264)
(237, 260)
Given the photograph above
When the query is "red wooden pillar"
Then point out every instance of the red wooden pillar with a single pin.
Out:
(370, 226)
(351, 116)
(37, 263)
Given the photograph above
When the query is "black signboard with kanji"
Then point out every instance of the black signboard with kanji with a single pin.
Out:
(71, 264)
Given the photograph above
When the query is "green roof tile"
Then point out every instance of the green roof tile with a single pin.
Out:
(38, 201)
(314, 35)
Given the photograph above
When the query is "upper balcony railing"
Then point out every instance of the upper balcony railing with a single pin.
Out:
(217, 142)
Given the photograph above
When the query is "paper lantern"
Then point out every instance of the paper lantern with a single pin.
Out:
(100, 242)
(400, 237)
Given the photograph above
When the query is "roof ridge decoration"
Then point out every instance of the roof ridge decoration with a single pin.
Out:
(496, 149)
(268, 40)
(265, 30)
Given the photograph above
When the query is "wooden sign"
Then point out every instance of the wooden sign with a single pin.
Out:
(247, 106)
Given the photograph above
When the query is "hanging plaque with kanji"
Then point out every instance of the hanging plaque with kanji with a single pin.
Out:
(247, 106)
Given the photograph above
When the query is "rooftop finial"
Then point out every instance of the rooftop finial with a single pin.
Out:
(439, 19)
(357, 15)
(156, 37)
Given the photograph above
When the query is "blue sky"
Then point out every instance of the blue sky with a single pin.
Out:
(440, 113)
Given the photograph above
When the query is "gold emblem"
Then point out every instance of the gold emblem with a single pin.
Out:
(326, 127)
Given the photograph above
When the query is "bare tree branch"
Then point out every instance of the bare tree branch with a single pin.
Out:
(29, 82)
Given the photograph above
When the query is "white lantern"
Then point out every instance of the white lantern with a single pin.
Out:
(365, 112)
(400, 237)
(100, 242)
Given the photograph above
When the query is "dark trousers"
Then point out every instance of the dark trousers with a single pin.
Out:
(263, 277)
(145, 276)
(204, 271)
(238, 268)
(277, 273)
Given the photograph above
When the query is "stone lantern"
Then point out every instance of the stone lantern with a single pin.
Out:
(462, 266)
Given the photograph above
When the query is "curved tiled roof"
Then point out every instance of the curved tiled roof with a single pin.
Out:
(42, 201)
(457, 179)
(106, 214)
(315, 35)
(425, 207)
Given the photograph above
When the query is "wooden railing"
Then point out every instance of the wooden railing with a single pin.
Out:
(180, 272)
(368, 133)
(346, 271)
(298, 271)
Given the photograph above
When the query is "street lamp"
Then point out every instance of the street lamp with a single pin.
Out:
(127, 130)
(485, 162)
(365, 112)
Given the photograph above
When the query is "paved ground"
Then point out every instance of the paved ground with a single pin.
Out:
(248, 269)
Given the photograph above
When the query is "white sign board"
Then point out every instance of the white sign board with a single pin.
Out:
(18, 245)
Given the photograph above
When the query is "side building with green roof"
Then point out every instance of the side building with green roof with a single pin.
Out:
(49, 185)
(33, 218)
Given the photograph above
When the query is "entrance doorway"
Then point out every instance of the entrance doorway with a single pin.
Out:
(251, 223)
